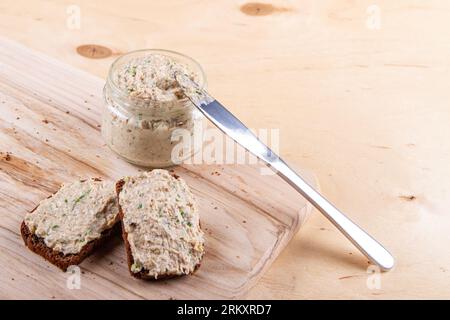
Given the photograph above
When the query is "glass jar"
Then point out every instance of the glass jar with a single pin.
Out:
(150, 133)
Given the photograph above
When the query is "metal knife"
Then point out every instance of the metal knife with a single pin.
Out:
(235, 129)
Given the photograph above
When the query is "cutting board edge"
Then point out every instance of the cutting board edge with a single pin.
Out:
(302, 219)
(284, 239)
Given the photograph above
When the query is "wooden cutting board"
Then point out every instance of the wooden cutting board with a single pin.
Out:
(50, 133)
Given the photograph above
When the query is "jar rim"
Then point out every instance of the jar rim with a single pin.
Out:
(169, 53)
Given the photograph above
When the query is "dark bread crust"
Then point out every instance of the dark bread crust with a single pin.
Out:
(143, 274)
(38, 246)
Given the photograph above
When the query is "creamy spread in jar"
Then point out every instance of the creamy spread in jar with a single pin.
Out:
(147, 112)
(162, 224)
(77, 214)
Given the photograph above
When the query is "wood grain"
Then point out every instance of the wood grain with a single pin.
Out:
(365, 109)
(49, 134)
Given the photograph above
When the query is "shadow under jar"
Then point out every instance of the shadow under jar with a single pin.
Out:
(148, 120)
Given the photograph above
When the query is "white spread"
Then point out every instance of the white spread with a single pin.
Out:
(140, 127)
(78, 213)
(162, 222)
(152, 77)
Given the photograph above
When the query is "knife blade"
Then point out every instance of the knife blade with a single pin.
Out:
(236, 130)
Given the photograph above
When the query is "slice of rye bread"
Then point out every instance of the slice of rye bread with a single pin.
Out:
(63, 261)
(38, 246)
(143, 274)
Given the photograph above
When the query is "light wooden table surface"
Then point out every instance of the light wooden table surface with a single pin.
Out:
(360, 94)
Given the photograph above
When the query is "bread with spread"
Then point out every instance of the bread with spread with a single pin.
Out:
(160, 225)
(66, 227)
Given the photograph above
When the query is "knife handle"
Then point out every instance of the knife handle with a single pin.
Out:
(373, 250)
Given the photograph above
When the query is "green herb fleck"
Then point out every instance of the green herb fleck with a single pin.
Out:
(65, 200)
(82, 241)
(80, 198)
(133, 71)
(55, 227)
(182, 213)
(136, 267)
(140, 206)
(189, 224)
